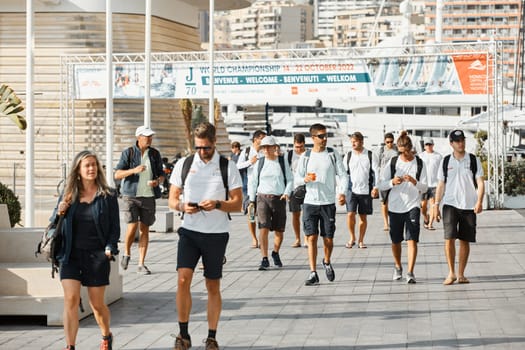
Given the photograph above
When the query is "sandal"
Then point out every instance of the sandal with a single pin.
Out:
(349, 245)
(449, 280)
(296, 245)
(463, 280)
(255, 246)
(362, 245)
(386, 228)
(431, 228)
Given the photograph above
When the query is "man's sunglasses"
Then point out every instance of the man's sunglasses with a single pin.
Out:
(320, 136)
(203, 148)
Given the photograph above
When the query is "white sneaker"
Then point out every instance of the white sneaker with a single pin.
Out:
(398, 274)
(143, 270)
(411, 279)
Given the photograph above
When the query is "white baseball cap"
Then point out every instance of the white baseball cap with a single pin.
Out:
(144, 131)
(268, 141)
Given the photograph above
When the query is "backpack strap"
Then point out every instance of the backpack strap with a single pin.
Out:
(393, 163)
(419, 167)
(473, 167)
(260, 165)
(290, 156)
(247, 153)
(223, 164)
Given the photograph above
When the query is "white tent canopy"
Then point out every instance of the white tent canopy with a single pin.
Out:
(514, 116)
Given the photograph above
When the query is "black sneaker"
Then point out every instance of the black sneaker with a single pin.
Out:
(265, 264)
(312, 279)
(277, 259)
(330, 273)
(125, 262)
(107, 342)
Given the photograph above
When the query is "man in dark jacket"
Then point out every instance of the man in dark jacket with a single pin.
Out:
(140, 168)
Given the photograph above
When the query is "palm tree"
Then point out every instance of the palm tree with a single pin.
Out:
(10, 106)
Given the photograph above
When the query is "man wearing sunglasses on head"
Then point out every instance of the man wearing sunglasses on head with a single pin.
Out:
(205, 203)
(322, 170)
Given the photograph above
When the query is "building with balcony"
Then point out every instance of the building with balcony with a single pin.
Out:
(267, 24)
(480, 20)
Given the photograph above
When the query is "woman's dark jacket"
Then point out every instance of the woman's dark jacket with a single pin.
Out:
(106, 216)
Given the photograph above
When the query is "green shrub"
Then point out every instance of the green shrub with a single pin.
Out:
(515, 178)
(13, 204)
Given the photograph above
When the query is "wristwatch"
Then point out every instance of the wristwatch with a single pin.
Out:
(218, 205)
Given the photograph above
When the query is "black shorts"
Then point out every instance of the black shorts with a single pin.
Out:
(430, 193)
(296, 201)
(271, 212)
(404, 223)
(459, 223)
(90, 267)
(362, 203)
(319, 216)
(210, 246)
(383, 196)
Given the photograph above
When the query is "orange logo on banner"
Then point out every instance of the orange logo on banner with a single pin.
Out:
(295, 90)
(473, 73)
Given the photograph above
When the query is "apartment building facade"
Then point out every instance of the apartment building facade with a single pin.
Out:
(265, 25)
(480, 20)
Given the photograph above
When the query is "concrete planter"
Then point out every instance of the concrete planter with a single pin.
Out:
(517, 202)
(26, 286)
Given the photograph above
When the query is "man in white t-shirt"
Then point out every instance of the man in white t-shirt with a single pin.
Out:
(461, 190)
(362, 168)
(205, 227)
(322, 170)
(432, 160)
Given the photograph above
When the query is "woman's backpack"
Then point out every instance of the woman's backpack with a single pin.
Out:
(51, 243)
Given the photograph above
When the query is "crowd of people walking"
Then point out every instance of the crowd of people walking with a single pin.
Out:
(265, 183)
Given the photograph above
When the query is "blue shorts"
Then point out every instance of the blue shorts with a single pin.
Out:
(90, 267)
(210, 246)
(319, 216)
(407, 223)
(459, 223)
(360, 203)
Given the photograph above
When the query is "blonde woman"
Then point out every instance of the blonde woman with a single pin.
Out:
(90, 231)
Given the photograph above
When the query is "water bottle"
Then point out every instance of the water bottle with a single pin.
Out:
(251, 213)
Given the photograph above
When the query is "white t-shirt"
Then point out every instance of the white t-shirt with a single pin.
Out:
(323, 190)
(360, 171)
(405, 196)
(204, 181)
(459, 188)
(432, 161)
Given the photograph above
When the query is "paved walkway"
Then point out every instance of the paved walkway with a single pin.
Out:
(362, 309)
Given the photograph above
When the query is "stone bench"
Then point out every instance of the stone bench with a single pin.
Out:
(26, 286)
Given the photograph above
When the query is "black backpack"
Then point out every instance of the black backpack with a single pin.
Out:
(473, 168)
(223, 164)
(51, 243)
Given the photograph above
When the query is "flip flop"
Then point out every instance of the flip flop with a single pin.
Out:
(449, 280)
(296, 245)
(349, 245)
(362, 246)
(463, 280)
(431, 228)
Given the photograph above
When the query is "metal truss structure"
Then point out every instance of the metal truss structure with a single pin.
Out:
(492, 50)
